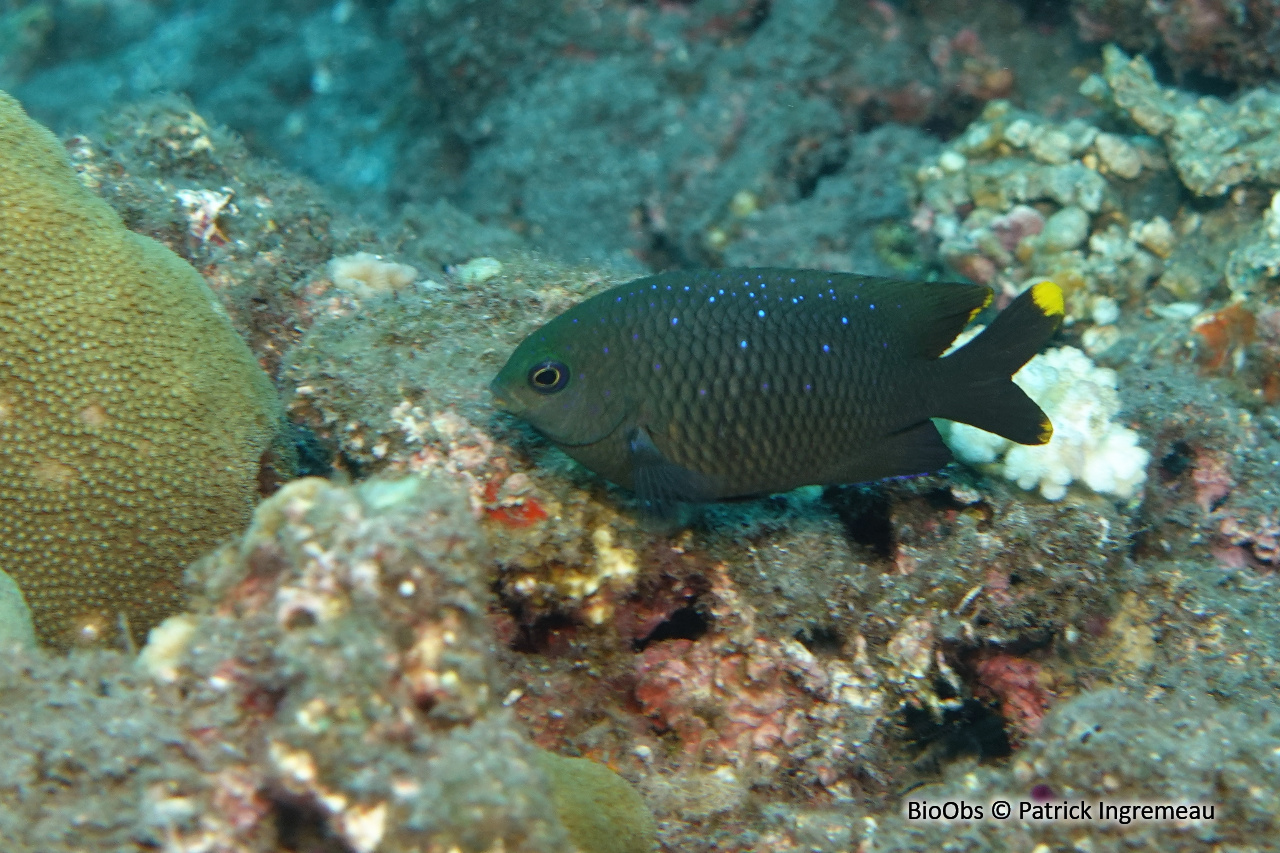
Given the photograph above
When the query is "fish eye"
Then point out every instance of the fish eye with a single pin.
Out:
(548, 377)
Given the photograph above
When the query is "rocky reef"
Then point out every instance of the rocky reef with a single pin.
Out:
(451, 637)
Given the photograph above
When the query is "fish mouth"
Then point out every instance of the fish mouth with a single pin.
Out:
(502, 402)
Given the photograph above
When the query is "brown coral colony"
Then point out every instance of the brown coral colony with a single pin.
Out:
(132, 417)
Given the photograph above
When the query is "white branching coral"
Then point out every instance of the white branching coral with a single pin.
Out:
(1088, 446)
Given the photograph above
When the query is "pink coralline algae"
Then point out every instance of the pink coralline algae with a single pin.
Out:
(750, 691)
(760, 704)
(1259, 535)
(987, 243)
(967, 68)
(1016, 684)
(1246, 535)
(1212, 478)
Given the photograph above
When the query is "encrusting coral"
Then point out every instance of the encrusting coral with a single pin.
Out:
(132, 417)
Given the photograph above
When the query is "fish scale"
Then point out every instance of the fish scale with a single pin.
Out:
(724, 383)
(752, 388)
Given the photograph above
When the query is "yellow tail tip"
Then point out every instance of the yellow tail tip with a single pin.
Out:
(1048, 298)
(1046, 431)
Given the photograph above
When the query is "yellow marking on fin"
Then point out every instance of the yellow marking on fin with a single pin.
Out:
(1046, 431)
(1048, 298)
(985, 302)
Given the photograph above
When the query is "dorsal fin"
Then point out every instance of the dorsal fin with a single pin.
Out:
(929, 314)
(944, 310)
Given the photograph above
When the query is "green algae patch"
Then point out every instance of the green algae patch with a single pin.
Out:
(600, 809)
(132, 417)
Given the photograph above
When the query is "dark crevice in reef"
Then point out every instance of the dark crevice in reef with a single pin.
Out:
(946, 124)
(811, 160)
(685, 623)
(659, 252)
(546, 634)
(1179, 459)
(303, 827)
(820, 639)
(864, 512)
(1195, 82)
(973, 729)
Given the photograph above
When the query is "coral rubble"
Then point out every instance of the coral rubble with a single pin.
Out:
(336, 680)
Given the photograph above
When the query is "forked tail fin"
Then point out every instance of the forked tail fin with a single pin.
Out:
(980, 391)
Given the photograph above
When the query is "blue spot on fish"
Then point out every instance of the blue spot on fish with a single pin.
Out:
(844, 320)
(826, 348)
(675, 320)
(760, 313)
(743, 344)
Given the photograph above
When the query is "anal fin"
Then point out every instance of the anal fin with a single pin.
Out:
(915, 450)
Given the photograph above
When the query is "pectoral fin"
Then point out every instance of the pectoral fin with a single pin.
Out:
(659, 483)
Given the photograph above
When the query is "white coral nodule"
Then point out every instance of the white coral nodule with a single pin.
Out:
(1088, 446)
